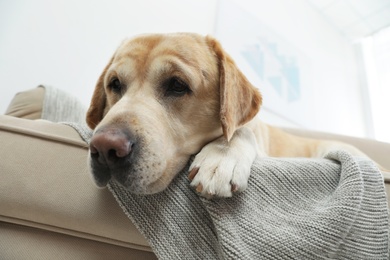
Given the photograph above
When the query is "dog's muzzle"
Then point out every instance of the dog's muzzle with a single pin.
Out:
(110, 150)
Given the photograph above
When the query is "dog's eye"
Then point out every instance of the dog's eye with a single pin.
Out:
(177, 87)
(115, 85)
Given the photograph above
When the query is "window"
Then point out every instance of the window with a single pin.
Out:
(376, 56)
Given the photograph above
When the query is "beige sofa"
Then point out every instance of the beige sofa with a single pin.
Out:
(49, 206)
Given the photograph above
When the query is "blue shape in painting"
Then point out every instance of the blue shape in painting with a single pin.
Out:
(291, 73)
(276, 82)
(287, 71)
(255, 57)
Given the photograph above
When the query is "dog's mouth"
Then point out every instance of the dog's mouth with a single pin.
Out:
(141, 172)
(103, 173)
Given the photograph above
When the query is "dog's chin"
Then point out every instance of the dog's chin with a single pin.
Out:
(140, 187)
(145, 189)
(158, 181)
(136, 185)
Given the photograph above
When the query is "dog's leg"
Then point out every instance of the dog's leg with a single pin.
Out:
(222, 168)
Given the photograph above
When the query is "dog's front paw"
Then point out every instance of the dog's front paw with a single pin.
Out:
(222, 168)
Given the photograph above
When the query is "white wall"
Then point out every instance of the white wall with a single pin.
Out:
(67, 43)
(334, 104)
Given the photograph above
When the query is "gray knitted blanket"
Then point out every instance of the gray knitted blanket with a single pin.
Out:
(330, 208)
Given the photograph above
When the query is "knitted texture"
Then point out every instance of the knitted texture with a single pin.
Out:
(59, 106)
(329, 208)
(292, 209)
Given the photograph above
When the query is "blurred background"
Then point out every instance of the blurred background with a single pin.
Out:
(321, 64)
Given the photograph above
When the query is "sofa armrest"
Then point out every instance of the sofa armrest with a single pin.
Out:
(45, 186)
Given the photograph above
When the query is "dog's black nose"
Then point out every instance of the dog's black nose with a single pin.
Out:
(110, 145)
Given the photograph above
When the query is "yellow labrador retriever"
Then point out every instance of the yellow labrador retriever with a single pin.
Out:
(165, 97)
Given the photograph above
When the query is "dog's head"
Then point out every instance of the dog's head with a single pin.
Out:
(159, 100)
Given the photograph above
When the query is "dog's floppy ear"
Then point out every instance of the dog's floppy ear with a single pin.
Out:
(98, 103)
(240, 101)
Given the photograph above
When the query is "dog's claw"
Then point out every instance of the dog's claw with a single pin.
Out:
(234, 187)
(193, 173)
(199, 188)
(210, 194)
